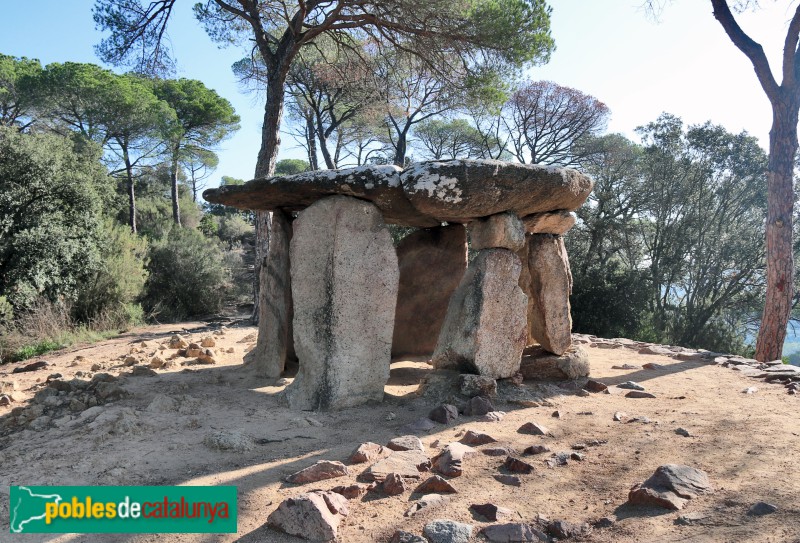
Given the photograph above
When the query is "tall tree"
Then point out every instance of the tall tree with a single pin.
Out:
(785, 100)
(203, 120)
(18, 79)
(545, 120)
(442, 139)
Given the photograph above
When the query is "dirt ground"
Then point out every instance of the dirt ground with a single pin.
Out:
(748, 444)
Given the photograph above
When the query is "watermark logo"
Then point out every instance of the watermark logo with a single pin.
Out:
(122, 509)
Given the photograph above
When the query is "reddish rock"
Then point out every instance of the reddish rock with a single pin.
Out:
(595, 386)
(450, 461)
(324, 469)
(478, 406)
(393, 485)
(670, 487)
(511, 480)
(367, 452)
(314, 516)
(435, 485)
(561, 529)
(516, 532)
(477, 438)
(432, 262)
(497, 451)
(515, 465)
(536, 449)
(426, 503)
(639, 394)
(34, 366)
(353, 491)
(533, 428)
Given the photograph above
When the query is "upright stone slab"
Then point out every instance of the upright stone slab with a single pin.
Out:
(274, 343)
(550, 286)
(503, 230)
(485, 328)
(432, 262)
(344, 288)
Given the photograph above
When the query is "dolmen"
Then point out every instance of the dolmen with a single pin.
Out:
(344, 299)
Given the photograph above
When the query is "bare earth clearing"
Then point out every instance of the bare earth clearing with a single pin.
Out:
(748, 444)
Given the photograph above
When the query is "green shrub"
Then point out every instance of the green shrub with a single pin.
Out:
(187, 277)
(234, 229)
(109, 292)
(6, 312)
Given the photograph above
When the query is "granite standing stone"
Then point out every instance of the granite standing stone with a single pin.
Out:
(432, 262)
(274, 343)
(485, 328)
(503, 231)
(345, 279)
(551, 284)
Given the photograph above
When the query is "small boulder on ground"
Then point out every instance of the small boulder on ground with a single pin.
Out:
(447, 531)
(517, 532)
(490, 511)
(477, 385)
(324, 469)
(444, 414)
(477, 438)
(450, 462)
(670, 487)
(406, 443)
(533, 428)
(314, 516)
(393, 485)
(478, 406)
(367, 452)
(435, 485)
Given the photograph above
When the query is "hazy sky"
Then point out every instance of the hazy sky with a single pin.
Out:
(683, 63)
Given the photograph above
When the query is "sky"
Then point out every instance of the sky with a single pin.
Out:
(683, 63)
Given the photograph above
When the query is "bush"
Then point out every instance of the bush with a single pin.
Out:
(234, 228)
(187, 277)
(6, 312)
(109, 294)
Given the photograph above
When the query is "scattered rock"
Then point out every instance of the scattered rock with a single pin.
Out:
(595, 386)
(620, 416)
(516, 532)
(407, 464)
(497, 451)
(750, 390)
(605, 522)
(654, 349)
(367, 452)
(626, 367)
(314, 516)
(559, 459)
(477, 438)
(393, 485)
(130, 361)
(406, 443)
(447, 531)
(762, 508)
(324, 469)
(536, 449)
(515, 465)
(511, 480)
(444, 414)
(435, 485)
(450, 461)
(353, 491)
(490, 511)
(639, 394)
(653, 366)
(478, 406)
(533, 428)
(561, 529)
(683, 432)
(477, 385)
(143, 371)
(493, 416)
(208, 341)
(630, 385)
(157, 362)
(177, 342)
(5, 400)
(670, 487)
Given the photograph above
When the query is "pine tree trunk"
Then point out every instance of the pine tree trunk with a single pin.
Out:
(780, 260)
(131, 190)
(173, 174)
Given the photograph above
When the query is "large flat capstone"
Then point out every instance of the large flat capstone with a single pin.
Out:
(432, 262)
(423, 195)
(344, 288)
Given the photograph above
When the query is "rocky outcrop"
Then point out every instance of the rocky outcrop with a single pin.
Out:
(432, 262)
(344, 289)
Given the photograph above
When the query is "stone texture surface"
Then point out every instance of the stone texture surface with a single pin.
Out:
(450, 462)
(407, 464)
(319, 471)
(314, 516)
(670, 487)
(344, 290)
(435, 485)
(406, 443)
(447, 531)
(540, 364)
(459, 190)
(501, 231)
(275, 342)
(548, 293)
(477, 385)
(515, 532)
(554, 222)
(377, 184)
(485, 328)
(367, 452)
(432, 262)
